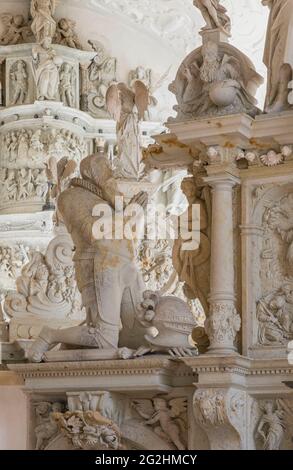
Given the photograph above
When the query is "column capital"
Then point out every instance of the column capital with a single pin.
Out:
(223, 180)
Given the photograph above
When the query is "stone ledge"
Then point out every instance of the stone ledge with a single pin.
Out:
(157, 373)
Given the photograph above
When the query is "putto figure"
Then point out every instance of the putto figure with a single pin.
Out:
(16, 30)
(66, 34)
(43, 24)
(214, 14)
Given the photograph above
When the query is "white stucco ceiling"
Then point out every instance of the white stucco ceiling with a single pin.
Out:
(157, 33)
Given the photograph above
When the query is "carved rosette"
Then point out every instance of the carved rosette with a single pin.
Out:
(222, 325)
(222, 415)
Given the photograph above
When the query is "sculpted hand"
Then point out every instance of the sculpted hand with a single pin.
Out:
(141, 199)
(183, 352)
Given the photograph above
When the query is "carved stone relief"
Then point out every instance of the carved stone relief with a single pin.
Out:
(46, 292)
(168, 418)
(274, 311)
(31, 148)
(221, 414)
(20, 82)
(110, 421)
(214, 80)
(101, 74)
(22, 185)
(12, 260)
(17, 30)
(273, 429)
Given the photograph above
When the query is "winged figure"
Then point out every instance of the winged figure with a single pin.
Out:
(168, 418)
(128, 107)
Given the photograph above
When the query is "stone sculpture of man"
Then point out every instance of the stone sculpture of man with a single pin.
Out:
(106, 273)
(214, 14)
(46, 67)
(43, 24)
(278, 56)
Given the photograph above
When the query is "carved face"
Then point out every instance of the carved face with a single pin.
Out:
(160, 404)
(18, 20)
(63, 23)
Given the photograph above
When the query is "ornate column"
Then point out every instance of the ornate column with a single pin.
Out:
(223, 321)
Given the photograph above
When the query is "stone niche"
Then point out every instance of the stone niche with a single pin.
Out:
(17, 68)
(268, 288)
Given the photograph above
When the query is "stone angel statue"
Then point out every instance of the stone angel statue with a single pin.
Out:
(16, 30)
(147, 77)
(43, 24)
(214, 14)
(169, 418)
(127, 107)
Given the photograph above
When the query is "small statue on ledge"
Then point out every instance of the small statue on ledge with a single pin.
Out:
(46, 65)
(214, 14)
(43, 24)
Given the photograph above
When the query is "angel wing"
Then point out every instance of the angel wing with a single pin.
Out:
(113, 102)
(143, 407)
(178, 407)
(142, 98)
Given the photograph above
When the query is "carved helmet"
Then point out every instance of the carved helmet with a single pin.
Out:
(172, 318)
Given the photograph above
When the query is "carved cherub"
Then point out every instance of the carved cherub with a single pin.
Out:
(66, 34)
(170, 418)
(16, 31)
